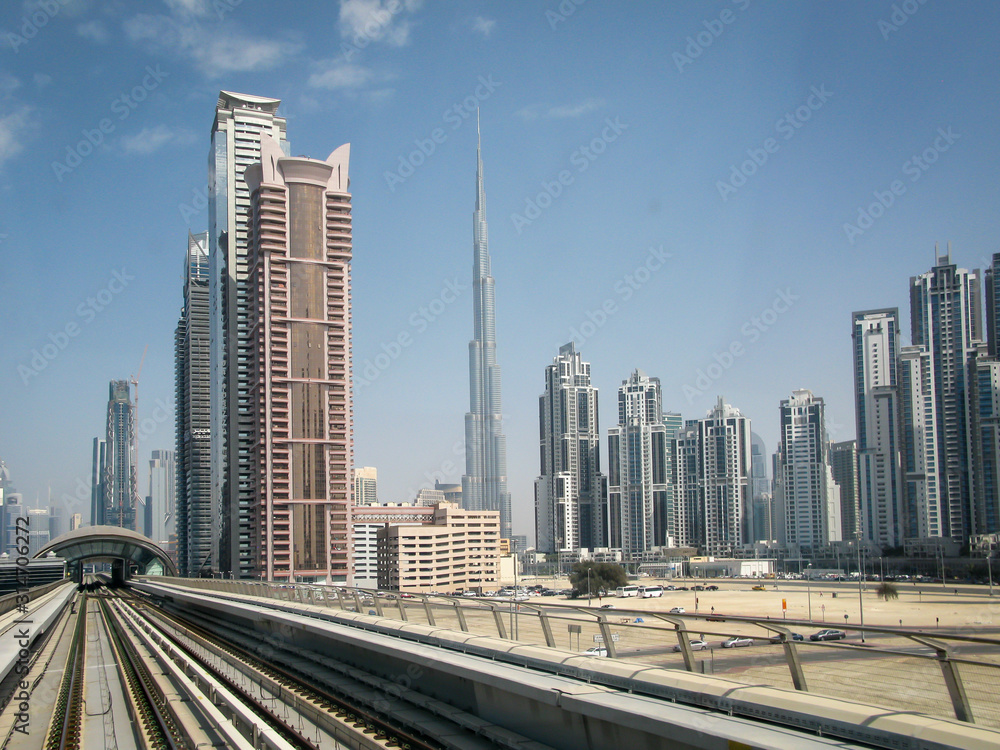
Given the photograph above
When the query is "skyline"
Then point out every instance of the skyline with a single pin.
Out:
(636, 251)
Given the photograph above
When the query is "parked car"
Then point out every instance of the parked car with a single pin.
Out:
(737, 642)
(607, 606)
(759, 588)
(677, 611)
(696, 645)
(669, 588)
(596, 651)
(779, 638)
(699, 587)
(711, 587)
(828, 635)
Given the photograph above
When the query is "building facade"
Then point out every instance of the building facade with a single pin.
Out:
(365, 485)
(984, 408)
(459, 550)
(119, 492)
(807, 499)
(366, 522)
(299, 317)
(923, 479)
(713, 482)
(639, 513)
(945, 315)
(161, 500)
(241, 121)
(484, 485)
(197, 520)
(875, 335)
(844, 463)
(569, 491)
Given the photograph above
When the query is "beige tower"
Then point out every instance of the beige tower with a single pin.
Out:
(300, 321)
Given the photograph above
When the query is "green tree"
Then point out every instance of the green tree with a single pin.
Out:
(604, 577)
(887, 591)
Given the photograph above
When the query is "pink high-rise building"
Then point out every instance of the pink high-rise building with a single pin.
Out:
(300, 323)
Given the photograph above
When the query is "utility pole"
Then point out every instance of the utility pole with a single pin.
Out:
(861, 601)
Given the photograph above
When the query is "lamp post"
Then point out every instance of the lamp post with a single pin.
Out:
(809, 590)
(861, 601)
(588, 586)
(989, 569)
(881, 570)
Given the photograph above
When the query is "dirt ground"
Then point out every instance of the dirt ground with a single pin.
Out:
(921, 607)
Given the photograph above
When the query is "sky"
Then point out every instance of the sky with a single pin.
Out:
(703, 190)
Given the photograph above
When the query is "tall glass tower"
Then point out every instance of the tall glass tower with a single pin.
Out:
(484, 486)
(241, 121)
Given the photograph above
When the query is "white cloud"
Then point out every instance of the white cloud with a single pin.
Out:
(377, 20)
(189, 7)
(483, 25)
(42, 80)
(148, 140)
(14, 126)
(335, 74)
(215, 51)
(8, 84)
(560, 111)
(95, 31)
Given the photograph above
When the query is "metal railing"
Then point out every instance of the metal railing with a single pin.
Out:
(898, 668)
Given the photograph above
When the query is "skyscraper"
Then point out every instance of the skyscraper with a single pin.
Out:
(844, 462)
(923, 479)
(639, 514)
(198, 523)
(945, 316)
(760, 491)
(984, 408)
(119, 493)
(161, 501)
(299, 315)
(807, 499)
(484, 485)
(365, 485)
(569, 492)
(99, 459)
(875, 335)
(713, 482)
(240, 123)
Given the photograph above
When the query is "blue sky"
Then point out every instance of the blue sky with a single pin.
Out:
(668, 183)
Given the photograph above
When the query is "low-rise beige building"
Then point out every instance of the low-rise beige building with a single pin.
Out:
(459, 550)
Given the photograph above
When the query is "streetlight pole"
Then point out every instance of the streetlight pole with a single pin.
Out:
(881, 570)
(989, 569)
(861, 601)
(809, 590)
(588, 586)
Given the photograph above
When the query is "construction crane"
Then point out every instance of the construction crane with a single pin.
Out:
(134, 380)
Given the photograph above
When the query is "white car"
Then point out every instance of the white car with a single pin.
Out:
(596, 651)
(677, 611)
(737, 642)
(696, 645)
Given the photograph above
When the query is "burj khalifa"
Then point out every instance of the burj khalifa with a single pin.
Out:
(484, 486)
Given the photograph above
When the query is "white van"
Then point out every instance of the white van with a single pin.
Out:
(649, 592)
(626, 591)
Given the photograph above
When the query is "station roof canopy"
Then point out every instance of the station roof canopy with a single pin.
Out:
(108, 543)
